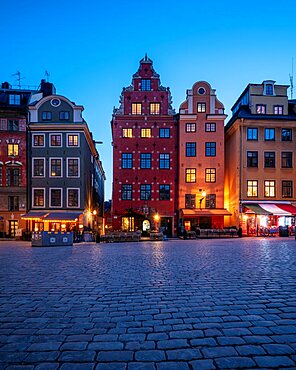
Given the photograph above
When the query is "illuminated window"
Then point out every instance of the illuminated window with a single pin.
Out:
(55, 139)
(211, 127)
(55, 197)
(190, 127)
(211, 201)
(260, 109)
(128, 223)
(252, 133)
(164, 161)
(252, 188)
(14, 99)
(55, 167)
(210, 149)
(145, 192)
(46, 116)
(73, 140)
(38, 197)
(269, 134)
(210, 174)
(252, 159)
(38, 167)
(127, 132)
(287, 189)
(126, 160)
(154, 108)
(38, 140)
(145, 160)
(164, 192)
(13, 150)
(190, 201)
(278, 109)
(190, 149)
(287, 159)
(269, 159)
(269, 188)
(73, 197)
(145, 85)
(136, 108)
(286, 134)
(126, 192)
(201, 107)
(145, 132)
(190, 175)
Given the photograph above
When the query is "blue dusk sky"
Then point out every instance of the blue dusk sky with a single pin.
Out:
(92, 48)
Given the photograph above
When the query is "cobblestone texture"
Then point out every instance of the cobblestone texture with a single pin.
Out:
(179, 304)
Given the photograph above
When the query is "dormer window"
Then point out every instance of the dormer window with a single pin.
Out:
(145, 85)
(46, 116)
(268, 88)
(14, 99)
(261, 109)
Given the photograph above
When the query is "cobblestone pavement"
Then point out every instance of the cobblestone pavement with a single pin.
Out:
(179, 304)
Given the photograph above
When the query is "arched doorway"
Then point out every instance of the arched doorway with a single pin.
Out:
(146, 227)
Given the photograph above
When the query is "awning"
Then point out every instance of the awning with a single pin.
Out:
(205, 212)
(255, 208)
(62, 216)
(288, 208)
(34, 215)
(274, 209)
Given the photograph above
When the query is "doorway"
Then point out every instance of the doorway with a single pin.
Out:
(13, 226)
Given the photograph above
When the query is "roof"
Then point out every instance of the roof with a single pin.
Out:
(62, 216)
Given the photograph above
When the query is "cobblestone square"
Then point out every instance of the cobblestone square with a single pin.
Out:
(177, 304)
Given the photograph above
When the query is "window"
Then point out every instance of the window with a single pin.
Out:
(190, 127)
(210, 127)
(286, 134)
(269, 134)
(260, 109)
(13, 203)
(286, 159)
(211, 201)
(268, 89)
(145, 192)
(126, 192)
(38, 167)
(210, 149)
(145, 132)
(164, 161)
(73, 140)
(38, 198)
(287, 189)
(190, 175)
(127, 132)
(210, 174)
(190, 149)
(278, 109)
(136, 108)
(145, 160)
(73, 197)
(201, 107)
(164, 132)
(145, 85)
(13, 125)
(73, 167)
(127, 160)
(252, 159)
(38, 140)
(13, 150)
(46, 116)
(164, 192)
(13, 177)
(55, 197)
(64, 115)
(252, 188)
(269, 188)
(55, 167)
(252, 133)
(154, 108)
(190, 201)
(55, 139)
(269, 159)
(14, 99)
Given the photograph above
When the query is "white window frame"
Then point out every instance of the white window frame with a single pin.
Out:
(44, 165)
(38, 146)
(67, 138)
(50, 205)
(78, 206)
(49, 170)
(33, 189)
(67, 161)
(55, 134)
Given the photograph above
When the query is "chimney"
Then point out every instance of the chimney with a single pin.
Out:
(47, 88)
(5, 85)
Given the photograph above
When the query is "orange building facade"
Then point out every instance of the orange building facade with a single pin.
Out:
(201, 160)
(260, 160)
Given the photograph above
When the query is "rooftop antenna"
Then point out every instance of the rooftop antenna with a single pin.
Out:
(292, 79)
(19, 78)
(47, 74)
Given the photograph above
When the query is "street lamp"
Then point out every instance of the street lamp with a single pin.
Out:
(203, 197)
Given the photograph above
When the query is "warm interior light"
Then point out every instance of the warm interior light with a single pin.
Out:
(156, 217)
(204, 193)
(94, 212)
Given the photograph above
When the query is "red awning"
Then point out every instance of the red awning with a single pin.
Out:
(288, 208)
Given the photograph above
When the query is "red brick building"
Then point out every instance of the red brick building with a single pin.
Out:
(144, 133)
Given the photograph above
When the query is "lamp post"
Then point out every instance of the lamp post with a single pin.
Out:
(156, 219)
(203, 197)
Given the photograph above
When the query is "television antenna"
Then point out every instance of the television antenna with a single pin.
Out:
(47, 74)
(19, 78)
(291, 76)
